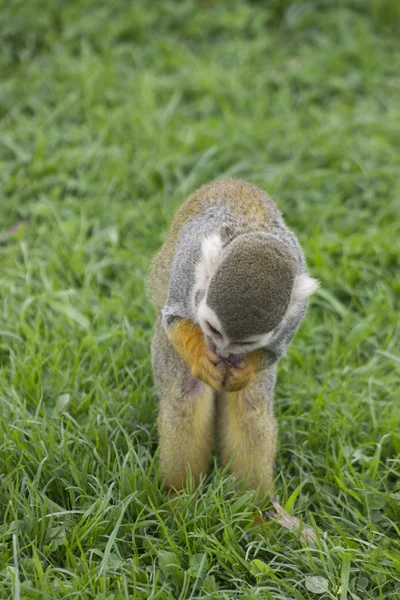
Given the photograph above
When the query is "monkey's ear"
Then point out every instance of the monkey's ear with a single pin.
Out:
(303, 286)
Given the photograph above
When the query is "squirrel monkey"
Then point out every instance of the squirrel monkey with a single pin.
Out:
(231, 285)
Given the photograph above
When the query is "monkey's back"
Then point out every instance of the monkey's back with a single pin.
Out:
(233, 206)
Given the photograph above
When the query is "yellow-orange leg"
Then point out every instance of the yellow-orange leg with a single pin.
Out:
(247, 431)
(186, 422)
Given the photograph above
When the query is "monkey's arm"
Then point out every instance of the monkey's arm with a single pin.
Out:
(286, 331)
(177, 315)
(188, 340)
(182, 277)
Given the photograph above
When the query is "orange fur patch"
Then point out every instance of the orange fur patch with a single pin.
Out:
(188, 340)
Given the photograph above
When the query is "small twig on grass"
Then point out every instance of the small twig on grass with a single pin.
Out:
(290, 522)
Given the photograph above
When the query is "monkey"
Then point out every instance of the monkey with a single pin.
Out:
(230, 284)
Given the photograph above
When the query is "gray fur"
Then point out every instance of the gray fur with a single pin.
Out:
(250, 291)
(188, 254)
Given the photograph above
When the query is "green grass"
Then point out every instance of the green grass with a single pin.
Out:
(111, 113)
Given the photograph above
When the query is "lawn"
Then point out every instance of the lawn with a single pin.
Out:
(111, 114)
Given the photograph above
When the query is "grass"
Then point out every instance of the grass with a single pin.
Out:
(111, 113)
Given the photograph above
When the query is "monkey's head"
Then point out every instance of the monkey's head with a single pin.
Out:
(246, 291)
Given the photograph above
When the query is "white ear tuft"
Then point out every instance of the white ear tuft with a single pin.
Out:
(211, 248)
(211, 255)
(303, 286)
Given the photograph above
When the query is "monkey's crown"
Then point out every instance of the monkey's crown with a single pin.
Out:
(250, 290)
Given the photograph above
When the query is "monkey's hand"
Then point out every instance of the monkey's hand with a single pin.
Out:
(241, 376)
(188, 340)
(209, 368)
